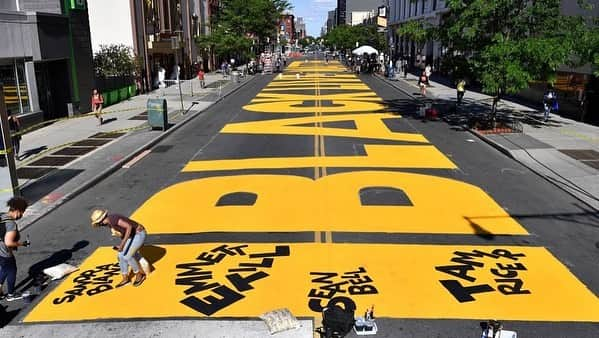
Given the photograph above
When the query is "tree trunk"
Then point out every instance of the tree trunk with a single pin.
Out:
(496, 99)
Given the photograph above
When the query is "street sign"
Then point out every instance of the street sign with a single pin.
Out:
(78, 4)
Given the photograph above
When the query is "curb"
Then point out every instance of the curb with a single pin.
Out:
(115, 166)
(493, 144)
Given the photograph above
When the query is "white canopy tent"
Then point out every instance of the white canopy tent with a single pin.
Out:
(365, 50)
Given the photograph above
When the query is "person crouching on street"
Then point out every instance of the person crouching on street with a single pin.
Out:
(11, 242)
(133, 236)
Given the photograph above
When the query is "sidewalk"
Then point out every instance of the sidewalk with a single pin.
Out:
(563, 151)
(66, 157)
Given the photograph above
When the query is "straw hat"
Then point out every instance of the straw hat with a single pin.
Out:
(98, 216)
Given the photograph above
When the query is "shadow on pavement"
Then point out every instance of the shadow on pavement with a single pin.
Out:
(110, 120)
(41, 188)
(31, 152)
(37, 279)
(7, 316)
(152, 253)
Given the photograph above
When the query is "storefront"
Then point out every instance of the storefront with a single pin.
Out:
(16, 89)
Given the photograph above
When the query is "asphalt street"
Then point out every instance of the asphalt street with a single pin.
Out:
(225, 178)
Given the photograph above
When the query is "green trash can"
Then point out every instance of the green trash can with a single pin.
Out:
(157, 113)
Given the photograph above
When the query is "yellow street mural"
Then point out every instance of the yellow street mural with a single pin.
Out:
(332, 203)
(328, 203)
(374, 194)
(402, 281)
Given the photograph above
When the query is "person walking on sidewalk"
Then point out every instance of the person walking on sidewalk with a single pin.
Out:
(14, 125)
(201, 77)
(10, 242)
(549, 102)
(97, 102)
(132, 236)
(423, 83)
(461, 89)
(223, 68)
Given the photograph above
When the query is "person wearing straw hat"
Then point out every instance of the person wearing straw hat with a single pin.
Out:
(132, 236)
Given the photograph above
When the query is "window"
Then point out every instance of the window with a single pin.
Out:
(9, 5)
(12, 77)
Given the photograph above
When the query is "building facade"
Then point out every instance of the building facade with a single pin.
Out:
(165, 33)
(331, 20)
(300, 28)
(46, 57)
(402, 11)
(341, 18)
(287, 28)
(358, 10)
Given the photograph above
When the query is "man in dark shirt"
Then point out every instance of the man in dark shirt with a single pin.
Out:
(9, 242)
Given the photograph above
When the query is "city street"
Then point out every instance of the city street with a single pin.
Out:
(314, 184)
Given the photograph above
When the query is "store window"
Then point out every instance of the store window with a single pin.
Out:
(12, 78)
(9, 5)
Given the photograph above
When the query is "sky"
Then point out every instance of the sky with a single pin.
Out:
(314, 13)
(110, 23)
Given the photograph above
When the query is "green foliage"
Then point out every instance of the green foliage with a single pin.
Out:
(307, 41)
(114, 60)
(509, 42)
(240, 22)
(416, 31)
(345, 37)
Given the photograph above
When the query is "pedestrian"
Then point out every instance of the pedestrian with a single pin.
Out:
(132, 236)
(97, 102)
(461, 89)
(549, 102)
(223, 68)
(423, 83)
(14, 125)
(405, 68)
(10, 242)
(201, 77)
(428, 71)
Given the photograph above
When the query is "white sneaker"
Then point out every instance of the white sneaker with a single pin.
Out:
(13, 296)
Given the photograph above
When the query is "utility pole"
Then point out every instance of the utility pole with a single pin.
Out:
(9, 184)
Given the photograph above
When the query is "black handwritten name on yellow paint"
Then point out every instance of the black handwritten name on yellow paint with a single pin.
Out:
(505, 274)
(404, 281)
(208, 296)
(90, 283)
(328, 285)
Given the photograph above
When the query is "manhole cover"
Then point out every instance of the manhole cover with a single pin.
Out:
(91, 143)
(594, 164)
(107, 135)
(53, 161)
(31, 173)
(582, 154)
(73, 151)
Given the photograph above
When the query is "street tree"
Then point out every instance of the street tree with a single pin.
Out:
(239, 24)
(114, 61)
(508, 43)
(346, 37)
(307, 41)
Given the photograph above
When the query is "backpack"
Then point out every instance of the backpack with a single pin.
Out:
(338, 321)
